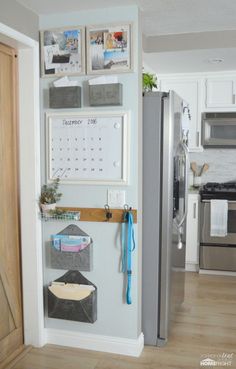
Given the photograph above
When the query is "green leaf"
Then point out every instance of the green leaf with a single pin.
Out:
(149, 81)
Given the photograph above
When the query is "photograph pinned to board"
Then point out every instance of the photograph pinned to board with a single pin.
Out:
(109, 49)
(62, 52)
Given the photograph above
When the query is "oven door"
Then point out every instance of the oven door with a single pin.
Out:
(205, 228)
(213, 257)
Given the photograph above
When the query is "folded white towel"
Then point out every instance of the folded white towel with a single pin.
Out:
(219, 218)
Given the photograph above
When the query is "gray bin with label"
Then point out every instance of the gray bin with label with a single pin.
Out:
(105, 95)
(65, 97)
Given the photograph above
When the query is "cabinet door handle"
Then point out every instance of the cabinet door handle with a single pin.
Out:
(234, 100)
(194, 210)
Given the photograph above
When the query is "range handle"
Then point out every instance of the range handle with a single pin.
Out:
(229, 201)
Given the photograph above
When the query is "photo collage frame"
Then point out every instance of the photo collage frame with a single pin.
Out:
(109, 49)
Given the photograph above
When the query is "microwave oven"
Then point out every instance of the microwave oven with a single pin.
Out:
(219, 130)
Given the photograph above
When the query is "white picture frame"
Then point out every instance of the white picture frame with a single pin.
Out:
(109, 48)
(62, 51)
(88, 147)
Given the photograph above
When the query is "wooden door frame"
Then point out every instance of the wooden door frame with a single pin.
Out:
(29, 161)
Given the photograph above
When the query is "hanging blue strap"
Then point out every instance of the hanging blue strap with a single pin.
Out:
(128, 245)
(123, 245)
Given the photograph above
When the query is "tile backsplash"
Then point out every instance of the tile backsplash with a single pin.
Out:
(222, 164)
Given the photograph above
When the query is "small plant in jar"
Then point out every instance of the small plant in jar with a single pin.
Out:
(50, 195)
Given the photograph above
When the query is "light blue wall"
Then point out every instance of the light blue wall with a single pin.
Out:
(18, 17)
(115, 318)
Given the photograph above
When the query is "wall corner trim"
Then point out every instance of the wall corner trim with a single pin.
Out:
(87, 341)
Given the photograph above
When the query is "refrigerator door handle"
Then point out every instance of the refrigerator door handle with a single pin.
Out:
(185, 150)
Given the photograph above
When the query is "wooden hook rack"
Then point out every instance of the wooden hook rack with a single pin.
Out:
(99, 214)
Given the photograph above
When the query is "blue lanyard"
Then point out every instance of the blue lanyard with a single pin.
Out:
(128, 245)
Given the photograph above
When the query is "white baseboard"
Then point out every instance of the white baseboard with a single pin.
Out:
(217, 272)
(115, 345)
(191, 267)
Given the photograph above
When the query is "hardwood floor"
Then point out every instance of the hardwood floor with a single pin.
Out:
(206, 325)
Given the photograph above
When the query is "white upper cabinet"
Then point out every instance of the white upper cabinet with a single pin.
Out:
(188, 90)
(220, 93)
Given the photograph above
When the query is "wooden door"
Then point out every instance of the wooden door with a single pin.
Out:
(11, 331)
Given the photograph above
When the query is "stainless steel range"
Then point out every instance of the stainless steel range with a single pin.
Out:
(218, 252)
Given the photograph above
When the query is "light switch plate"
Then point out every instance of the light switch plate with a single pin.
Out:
(116, 198)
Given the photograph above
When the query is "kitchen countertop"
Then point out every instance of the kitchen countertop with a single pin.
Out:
(193, 190)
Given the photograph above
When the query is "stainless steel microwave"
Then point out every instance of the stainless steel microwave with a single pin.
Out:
(219, 130)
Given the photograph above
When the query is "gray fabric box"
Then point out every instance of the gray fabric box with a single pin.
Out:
(82, 260)
(103, 95)
(65, 97)
(84, 310)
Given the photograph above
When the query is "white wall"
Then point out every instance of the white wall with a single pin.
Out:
(115, 318)
(222, 164)
(18, 17)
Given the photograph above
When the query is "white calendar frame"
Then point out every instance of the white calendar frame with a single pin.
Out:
(125, 152)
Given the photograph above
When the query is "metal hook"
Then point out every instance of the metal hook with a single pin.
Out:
(108, 212)
(188, 111)
(127, 208)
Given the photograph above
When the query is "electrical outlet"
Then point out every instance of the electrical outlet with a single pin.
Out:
(116, 198)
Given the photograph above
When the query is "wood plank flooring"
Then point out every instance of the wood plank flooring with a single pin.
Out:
(205, 325)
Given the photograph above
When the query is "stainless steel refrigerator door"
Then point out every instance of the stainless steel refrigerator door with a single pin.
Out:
(152, 147)
(172, 258)
(181, 163)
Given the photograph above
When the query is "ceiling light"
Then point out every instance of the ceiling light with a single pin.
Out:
(215, 60)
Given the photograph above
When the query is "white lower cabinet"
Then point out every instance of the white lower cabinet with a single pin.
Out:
(192, 233)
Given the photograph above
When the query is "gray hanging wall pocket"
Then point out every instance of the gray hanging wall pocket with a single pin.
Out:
(105, 95)
(65, 97)
(80, 309)
(72, 249)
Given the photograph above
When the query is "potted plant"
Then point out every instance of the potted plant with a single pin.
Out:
(149, 82)
(49, 196)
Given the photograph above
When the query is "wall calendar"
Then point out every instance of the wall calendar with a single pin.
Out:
(88, 147)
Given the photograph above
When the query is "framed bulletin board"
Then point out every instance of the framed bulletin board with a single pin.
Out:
(62, 52)
(109, 48)
(88, 148)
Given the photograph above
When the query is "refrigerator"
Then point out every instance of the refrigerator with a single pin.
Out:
(165, 191)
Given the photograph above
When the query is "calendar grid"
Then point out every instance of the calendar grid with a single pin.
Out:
(88, 148)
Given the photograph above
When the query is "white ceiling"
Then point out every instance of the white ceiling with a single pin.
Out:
(190, 61)
(159, 17)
